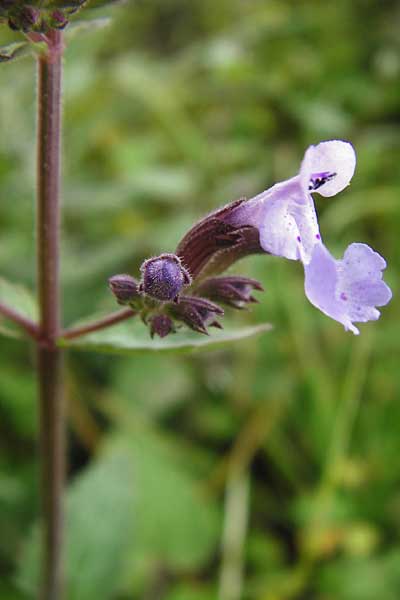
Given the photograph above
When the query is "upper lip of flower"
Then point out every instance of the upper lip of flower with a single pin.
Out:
(285, 214)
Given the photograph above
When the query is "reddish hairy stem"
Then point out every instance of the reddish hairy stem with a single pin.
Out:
(52, 453)
(112, 319)
(26, 324)
(48, 182)
(49, 364)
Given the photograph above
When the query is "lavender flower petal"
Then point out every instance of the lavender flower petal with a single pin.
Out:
(328, 167)
(289, 225)
(285, 218)
(360, 282)
(285, 214)
(347, 290)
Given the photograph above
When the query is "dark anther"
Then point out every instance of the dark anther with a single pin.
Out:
(319, 179)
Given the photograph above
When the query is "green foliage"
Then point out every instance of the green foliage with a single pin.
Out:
(13, 51)
(99, 524)
(80, 26)
(174, 109)
(132, 339)
(176, 524)
(363, 579)
(134, 508)
(21, 300)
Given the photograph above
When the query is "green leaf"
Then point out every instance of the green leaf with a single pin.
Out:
(189, 591)
(14, 50)
(67, 4)
(176, 523)
(362, 578)
(100, 507)
(103, 3)
(136, 506)
(128, 338)
(18, 400)
(20, 299)
(85, 25)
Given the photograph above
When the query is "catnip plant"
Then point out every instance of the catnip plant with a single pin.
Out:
(186, 289)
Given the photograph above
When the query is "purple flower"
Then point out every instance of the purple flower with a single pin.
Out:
(280, 221)
(285, 214)
(348, 289)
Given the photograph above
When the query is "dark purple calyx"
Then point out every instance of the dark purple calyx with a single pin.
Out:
(234, 291)
(213, 244)
(160, 325)
(197, 313)
(163, 277)
(58, 20)
(38, 17)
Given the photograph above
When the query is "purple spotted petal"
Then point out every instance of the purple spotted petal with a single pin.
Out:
(285, 214)
(328, 167)
(285, 218)
(349, 289)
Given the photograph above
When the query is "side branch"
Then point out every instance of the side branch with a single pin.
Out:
(112, 319)
(26, 324)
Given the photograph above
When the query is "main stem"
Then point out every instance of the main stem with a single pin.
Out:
(50, 367)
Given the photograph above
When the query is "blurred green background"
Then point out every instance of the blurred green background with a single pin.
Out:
(269, 470)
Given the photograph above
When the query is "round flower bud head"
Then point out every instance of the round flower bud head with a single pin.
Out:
(124, 288)
(163, 277)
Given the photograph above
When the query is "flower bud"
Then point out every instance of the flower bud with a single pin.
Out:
(197, 313)
(58, 20)
(21, 16)
(28, 17)
(234, 291)
(124, 287)
(160, 325)
(163, 277)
